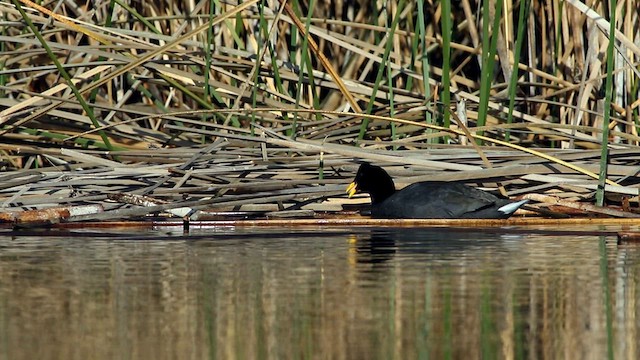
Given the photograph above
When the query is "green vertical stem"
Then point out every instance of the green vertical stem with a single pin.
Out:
(422, 32)
(488, 59)
(383, 64)
(636, 120)
(635, 85)
(256, 85)
(3, 78)
(293, 50)
(391, 103)
(557, 49)
(415, 42)
(446, 66)
(207, 52)
(513, 83)
(304, 63)
(604, 153)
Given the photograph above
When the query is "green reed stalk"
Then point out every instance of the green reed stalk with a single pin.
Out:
(138, 16)
(604, 147)
(208, 89)
(422, 33)
(381, 68)
(304, 63)
(266, 33)
(633, 95)
(391, 102)
(446, 66)
(558, 42)
(488, 59)
(256, 85)
(81, 141)
(513, 83)
(3, 48)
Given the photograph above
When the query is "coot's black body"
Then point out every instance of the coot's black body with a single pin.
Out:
(428, 200)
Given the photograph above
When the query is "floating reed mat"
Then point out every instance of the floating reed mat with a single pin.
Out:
(250, 177)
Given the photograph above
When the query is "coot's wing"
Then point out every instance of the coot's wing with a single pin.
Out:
(434, 200)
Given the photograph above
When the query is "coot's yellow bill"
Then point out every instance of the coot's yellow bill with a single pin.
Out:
(351, 189)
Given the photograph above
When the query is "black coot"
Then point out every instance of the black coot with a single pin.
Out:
(427, 200)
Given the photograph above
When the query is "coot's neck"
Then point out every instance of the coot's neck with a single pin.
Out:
(383, 189)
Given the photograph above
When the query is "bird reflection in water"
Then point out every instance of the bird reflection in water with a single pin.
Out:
(381, 245)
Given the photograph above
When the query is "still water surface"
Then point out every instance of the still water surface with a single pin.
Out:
(318, 293)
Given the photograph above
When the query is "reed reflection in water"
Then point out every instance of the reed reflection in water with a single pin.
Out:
(318, 293)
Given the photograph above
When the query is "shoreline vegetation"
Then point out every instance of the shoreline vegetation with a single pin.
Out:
(245, 110)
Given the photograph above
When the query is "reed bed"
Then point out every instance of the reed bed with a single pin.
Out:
(217, 108)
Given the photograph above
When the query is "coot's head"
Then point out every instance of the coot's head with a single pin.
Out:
(373, 180)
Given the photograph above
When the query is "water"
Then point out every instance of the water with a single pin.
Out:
(317, 293)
